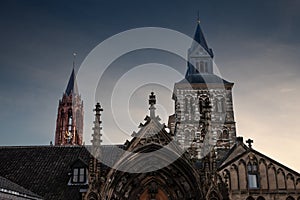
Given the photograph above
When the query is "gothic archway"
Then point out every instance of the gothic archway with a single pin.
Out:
(178, 180)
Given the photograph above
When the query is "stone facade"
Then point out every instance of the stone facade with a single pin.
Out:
(252, 175)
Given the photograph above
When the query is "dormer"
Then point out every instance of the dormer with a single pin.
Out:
(79, 173)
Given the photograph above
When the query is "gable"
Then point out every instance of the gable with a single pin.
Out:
(268, 173)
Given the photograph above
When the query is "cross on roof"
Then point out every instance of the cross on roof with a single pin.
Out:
(249, 142)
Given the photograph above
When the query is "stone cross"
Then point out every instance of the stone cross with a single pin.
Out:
(249, 142)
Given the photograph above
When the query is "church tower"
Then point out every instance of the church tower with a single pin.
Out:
(204, 117)
(69, 123)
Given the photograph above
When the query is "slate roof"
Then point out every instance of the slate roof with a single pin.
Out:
(72, 85)
(199, 38)
(10, 187)
(45, 170)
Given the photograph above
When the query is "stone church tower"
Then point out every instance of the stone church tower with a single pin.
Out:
(69, 123)
(204, 115)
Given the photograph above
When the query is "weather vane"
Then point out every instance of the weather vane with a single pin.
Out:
(198, 17)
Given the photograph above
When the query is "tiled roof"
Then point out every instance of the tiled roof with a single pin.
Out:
(45, 170)
(10, 187)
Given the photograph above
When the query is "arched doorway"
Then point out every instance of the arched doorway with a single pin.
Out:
(179, 180)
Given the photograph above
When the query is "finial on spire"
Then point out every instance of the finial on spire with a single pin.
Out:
(152, 102)
(74, 56)
(96, 141)
(152, 99)
(98, 109)
(198, 17)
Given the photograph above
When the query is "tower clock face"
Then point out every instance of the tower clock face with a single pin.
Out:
(68, 136)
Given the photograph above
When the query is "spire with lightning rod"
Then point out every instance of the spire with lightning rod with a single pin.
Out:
(74, 56)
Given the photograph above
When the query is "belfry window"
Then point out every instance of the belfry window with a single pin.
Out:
(252, 170)
(201, 66)
(206, 67)
(70, 120)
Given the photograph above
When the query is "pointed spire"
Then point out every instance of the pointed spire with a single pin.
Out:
(199, 38)
(72, 84)
(152, 102)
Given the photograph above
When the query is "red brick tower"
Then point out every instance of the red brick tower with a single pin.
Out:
(69, 123)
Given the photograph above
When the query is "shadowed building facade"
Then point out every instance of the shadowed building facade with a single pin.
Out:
(196, 156)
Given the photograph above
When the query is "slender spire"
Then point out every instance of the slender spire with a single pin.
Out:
(152, 102)
(72, 85)
(200, 39)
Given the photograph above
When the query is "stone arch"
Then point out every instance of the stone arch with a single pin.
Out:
(290, 198)
(213, 196)
(290, 182)
(298, 183)
(234, 182)
(250, 198)
(272, 177)
(92, 196)
(281, 179)
(242, 175)
(178, 180)
(263, 174)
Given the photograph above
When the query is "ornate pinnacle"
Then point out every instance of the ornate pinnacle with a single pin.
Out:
(152, 102)
(97, 128)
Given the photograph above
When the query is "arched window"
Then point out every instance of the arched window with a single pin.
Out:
(220, 105)
(198, 67)
(260, 198)
(62, 116)
(225, 134)
(186, 105)
(252, 170)
(201, 67)
(206, 67)
(201, 105)
(250, 198)
(70, 120)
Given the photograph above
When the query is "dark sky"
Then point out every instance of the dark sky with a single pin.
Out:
(256, 45)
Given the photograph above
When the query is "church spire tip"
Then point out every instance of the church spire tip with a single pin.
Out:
(198, 17)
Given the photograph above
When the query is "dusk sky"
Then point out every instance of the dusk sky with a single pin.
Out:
(256, 45)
